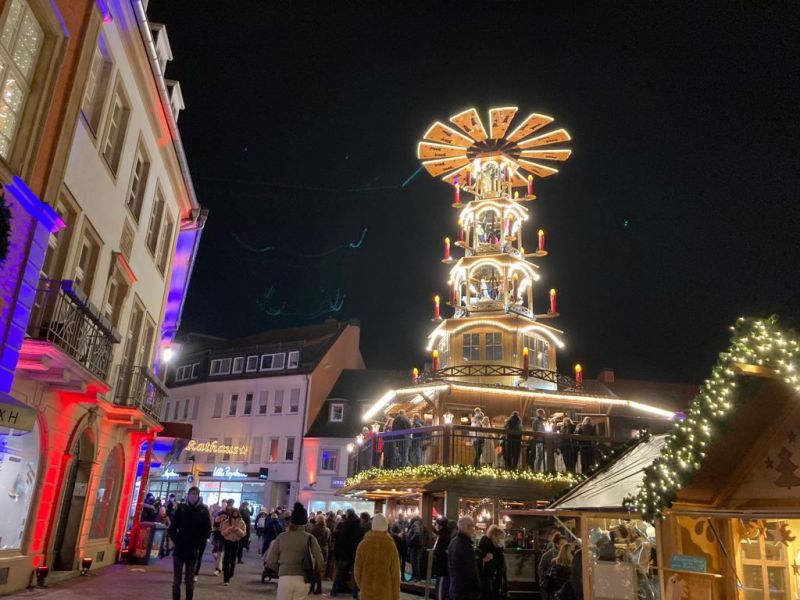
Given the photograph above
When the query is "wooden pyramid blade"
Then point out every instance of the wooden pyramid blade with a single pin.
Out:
(545, 139)
(432, 150)
(532, 122)
(536, 169)
(500, 119)
(461, 173)
(547, 154)
(443, 134)
(470, 123)
(444, 165)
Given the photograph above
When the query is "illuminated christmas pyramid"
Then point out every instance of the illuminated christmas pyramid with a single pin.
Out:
(495, 334)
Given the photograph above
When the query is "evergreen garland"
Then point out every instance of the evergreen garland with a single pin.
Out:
(452, 471)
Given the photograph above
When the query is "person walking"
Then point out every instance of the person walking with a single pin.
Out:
(492, 566)
(346, 544)
(377, 566)
(189, 530)
(415, 540)
(560, 571)
(538, 442)
(287, 555)
(477, 437)
(512, 443)
(218, 542)
(323, 536)
(443, 535)
(233, 531)
(244, 510)
(465, 580)
(205, 540)
(272, 530)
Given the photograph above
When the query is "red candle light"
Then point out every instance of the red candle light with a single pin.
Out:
(526, 362)
(415, 375)
(436, 308)
(530, 185)
(515, 286)
(579, 375)
(447, 248)
(457, 192)
(552, 301)
(541, 240)
(435, 357)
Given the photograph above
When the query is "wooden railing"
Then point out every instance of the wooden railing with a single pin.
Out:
(497, 370)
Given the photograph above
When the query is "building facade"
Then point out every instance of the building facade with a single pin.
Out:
(106, 228)
(248, 401)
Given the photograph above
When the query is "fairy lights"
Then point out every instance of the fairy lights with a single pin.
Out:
(455, 471)
(757, 342)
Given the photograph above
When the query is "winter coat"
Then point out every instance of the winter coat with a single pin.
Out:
(286, 553)
(493, 573)
(465, 581)
(377, 568)
(347, 541)
(557, 577)
(440, 552)
(190, 528)
(323, 535)
(400, 423)
(232, 530)
(415, 536)
(272, 529)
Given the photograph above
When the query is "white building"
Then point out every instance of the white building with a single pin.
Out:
(253, 396)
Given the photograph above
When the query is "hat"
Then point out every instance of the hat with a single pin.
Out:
(299, 514)
(379, 523)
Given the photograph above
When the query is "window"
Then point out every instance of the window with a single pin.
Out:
(337, 412)
(472, 346)
(116, 292)
(294, 401)
(227, 442)
(212, 458)
(220, 366)
(255, 450)
(97, 85)
(294, 360)
(141, 168)
(20, 42)
(106, 499)
(146, 342)
(248, 404)
(444, 351)
(154, 226)
(765, 564)
(233, 404)
(217, 406)
(58, 242)
(266, 361)
(238, 365)
(273, 450)
(83, 276)
(186, 372)
(195, 370)
(177, 408)
(329, 460)
(252, 364)
(272, 362)
(289, 449)
(494, 346)
(278, 406)
(195, 407)
(279, 361)
(115, 130)
(166, 244)
(186, 409)
(539, 351)
(262, 402)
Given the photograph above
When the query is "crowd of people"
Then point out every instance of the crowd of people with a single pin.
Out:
(365, 556)
(509, 449)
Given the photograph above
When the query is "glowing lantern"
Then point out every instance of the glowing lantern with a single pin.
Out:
(541, 240)
(553, 301)
(415, 375)
(435, 357)
(579, 375)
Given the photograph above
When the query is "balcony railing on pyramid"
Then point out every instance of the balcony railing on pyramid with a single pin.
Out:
(563, 382)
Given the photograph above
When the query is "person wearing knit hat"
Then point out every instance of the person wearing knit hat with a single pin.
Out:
(285, 557)
(377, 567)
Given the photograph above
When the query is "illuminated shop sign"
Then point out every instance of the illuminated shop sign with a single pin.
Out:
(215, 447)
(228, 473)
(337, 482)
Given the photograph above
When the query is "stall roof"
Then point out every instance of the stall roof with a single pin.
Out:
(608, 488)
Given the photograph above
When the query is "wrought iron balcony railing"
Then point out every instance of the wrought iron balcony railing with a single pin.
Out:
(62, 315)
(562, 382)
(138, 387)
(448, 445)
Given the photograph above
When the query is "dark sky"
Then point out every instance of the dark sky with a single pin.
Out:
(677, 212)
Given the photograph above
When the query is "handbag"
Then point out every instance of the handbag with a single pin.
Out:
(308, 565)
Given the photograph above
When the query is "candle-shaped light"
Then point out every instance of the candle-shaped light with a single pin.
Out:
(453, 294)
(515, 285)
(436, 308)
(530, 185)
(526, 362)
(579, 375)
(457, 191)
(447, 248)
(415, 374)
(541, 240)
(553, 301)
(435, 360)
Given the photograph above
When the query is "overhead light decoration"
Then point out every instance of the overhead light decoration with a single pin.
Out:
(758, 342)
(455, 471)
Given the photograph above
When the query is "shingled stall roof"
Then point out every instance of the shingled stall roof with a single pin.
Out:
(357, 390)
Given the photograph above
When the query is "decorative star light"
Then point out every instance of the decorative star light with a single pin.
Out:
(449, 152)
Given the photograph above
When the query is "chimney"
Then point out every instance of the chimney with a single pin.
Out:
(605, 375)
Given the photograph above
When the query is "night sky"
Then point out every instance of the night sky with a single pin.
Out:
(677, 212)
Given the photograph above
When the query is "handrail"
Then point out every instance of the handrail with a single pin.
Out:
(500, 370)
(139, 387)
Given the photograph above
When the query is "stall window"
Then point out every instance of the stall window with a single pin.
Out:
(472, 346)
(19, 464)
(106, 499)
(765, 564)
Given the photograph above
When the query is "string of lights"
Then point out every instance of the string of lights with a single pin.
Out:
(453, 471)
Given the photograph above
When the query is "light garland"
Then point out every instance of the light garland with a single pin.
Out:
(755, 342)
(452, 471)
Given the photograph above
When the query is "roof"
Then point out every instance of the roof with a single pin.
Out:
(356, 389)
(672, 396)
(608, 488)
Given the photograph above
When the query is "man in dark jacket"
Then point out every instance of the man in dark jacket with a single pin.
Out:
(415, 540)
(189, 530)
(443, 535)
(345, 548)
(272, 529)
(401, 423)
(465, 580)
(244, 510)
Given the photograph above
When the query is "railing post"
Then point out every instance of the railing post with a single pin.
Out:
(446, 449)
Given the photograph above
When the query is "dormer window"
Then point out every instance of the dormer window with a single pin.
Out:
(472, 346)
(221, 366)
(336, 412)
(294, 360)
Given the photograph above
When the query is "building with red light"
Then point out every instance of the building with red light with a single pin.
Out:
(105, 231)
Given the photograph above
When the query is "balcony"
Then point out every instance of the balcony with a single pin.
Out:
(562, 382)
(138, 387)
(68, 341)
(450, 445)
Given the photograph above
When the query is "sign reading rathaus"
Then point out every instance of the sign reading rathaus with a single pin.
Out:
(215, 447)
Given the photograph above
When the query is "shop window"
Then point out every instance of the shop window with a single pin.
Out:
(329, 460)
(294, 360)
(233, 405)
(337, 412)
(248, 404)
(217, 407)
(19, 465)
(765, 559)
(252, 364)
(494, 346)
(263, 398)
(289, 449)
(294, 401)
(472, 346)
(273, 449)
(277, 407)
(106, 498)
(238, 365)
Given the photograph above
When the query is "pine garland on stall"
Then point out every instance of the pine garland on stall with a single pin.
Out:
(756, 342)
(462, 471)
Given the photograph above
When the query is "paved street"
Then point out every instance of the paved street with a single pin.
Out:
(134, 582)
